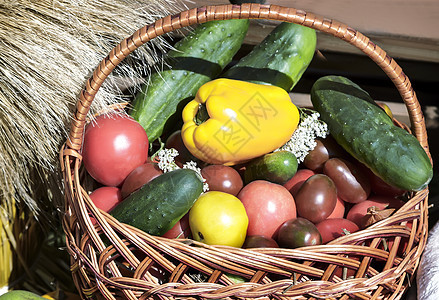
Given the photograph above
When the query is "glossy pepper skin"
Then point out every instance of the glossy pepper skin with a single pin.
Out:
(245, 120)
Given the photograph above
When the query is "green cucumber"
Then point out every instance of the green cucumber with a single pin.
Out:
(364, 130)
(277, 167)
(158, 205)
(20, 295)
(198, 58)
(280, 59)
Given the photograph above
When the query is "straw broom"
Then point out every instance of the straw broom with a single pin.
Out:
(48, 49)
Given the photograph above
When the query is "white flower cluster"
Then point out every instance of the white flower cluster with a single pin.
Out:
(303, 139)
(166, 158)
(193, 166)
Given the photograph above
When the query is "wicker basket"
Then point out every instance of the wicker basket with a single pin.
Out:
(124, 269)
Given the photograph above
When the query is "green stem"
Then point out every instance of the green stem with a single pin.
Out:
(202, 114)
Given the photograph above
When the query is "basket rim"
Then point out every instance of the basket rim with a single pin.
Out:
(79, 228)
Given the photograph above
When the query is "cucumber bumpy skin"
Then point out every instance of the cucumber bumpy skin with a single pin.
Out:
(366, 132)
(158, 205)
(198, 58)
(280, 59)
(277, 167)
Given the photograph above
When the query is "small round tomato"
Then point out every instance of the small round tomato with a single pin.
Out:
(325, 149)
(180, 230)
(380, 187)
(140, 176)
(298, 232)
(106, 197)
(175, 141)
(259, 241)
(331, 229)
(357, 212)
(222, 178)
(294, 184)
(218, 218)
(268, 205)
(114, 145)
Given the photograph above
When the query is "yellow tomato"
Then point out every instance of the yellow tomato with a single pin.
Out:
(218, 218)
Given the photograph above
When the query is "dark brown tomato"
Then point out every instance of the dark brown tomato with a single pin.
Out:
(352, 184)
(331, 229)
(259, 241)
(138, 177)
(222, 178)
(325, 149)
(317, 198)
(175, 141)
(298, 232)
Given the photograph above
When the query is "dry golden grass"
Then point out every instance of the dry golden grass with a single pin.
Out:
(48, 48)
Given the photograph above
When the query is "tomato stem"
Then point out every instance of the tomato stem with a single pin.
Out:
(202, 114)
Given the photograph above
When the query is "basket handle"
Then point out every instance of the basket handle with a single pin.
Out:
(246, 11)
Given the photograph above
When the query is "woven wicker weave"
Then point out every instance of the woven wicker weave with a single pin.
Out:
(124, 269)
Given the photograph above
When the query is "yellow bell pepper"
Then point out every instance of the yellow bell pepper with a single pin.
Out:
(232, 121)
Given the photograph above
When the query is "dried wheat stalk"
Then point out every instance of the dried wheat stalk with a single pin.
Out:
(47, 51)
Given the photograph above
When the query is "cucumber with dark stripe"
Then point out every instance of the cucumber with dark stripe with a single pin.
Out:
(364, 130)
(198, 58)
(158, 205)
(280, 59)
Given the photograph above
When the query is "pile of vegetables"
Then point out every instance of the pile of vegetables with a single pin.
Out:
(240, 164)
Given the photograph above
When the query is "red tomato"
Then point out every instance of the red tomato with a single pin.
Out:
(106, 197)
(113, 147)
(339, 209)
(380, 187)
(294, 184)
(402, 244)
(180, 230)
(140, 176)
(268, 205)
(345, 273)
(359, 210)
(331, 229)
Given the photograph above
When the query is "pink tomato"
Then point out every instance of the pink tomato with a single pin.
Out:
(114, 146)
(268, 205)
(294, 184)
